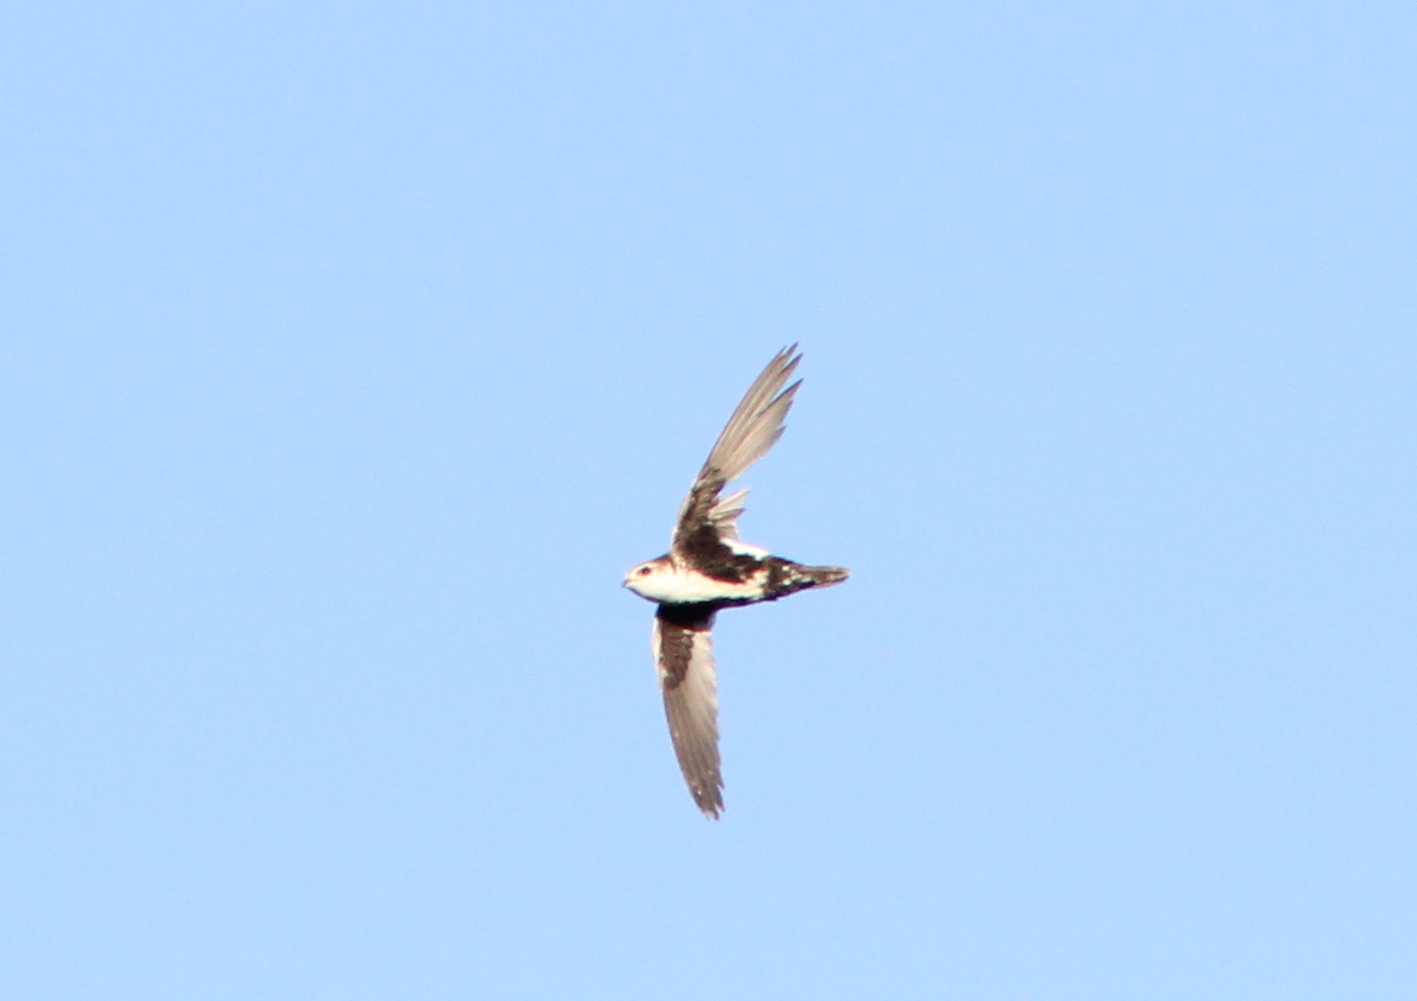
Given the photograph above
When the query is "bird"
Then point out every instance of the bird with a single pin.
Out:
(709, 568)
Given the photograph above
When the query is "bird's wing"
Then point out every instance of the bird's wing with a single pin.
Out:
(753, 429)
(683, 653)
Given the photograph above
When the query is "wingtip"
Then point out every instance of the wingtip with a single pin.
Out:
(785, 361)
(708, 799)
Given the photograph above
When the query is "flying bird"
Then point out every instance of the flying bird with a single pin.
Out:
(708, 568)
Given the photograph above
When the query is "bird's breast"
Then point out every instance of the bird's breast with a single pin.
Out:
(687, 586)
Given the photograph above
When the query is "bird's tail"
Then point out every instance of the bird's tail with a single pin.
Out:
(786, 577)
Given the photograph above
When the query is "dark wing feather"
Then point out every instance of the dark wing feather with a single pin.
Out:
(754, 428)
(683, 652)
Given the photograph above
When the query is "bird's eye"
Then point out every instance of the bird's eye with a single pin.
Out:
(644, 571)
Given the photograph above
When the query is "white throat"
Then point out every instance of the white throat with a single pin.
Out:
(678, 585)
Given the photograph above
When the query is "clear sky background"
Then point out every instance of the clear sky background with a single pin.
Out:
(352, 353)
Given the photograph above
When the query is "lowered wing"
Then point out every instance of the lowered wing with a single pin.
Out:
(683, 655)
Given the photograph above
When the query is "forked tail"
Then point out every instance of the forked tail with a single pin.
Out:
(786, 577)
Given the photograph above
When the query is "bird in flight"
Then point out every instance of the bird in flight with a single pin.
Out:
(707, 568)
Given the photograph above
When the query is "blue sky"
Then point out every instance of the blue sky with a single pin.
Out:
(349, 354)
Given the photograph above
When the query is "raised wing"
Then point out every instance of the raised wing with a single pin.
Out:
(683, 653)
(752, 430)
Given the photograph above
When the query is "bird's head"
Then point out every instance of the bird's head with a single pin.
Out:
(651, 579)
